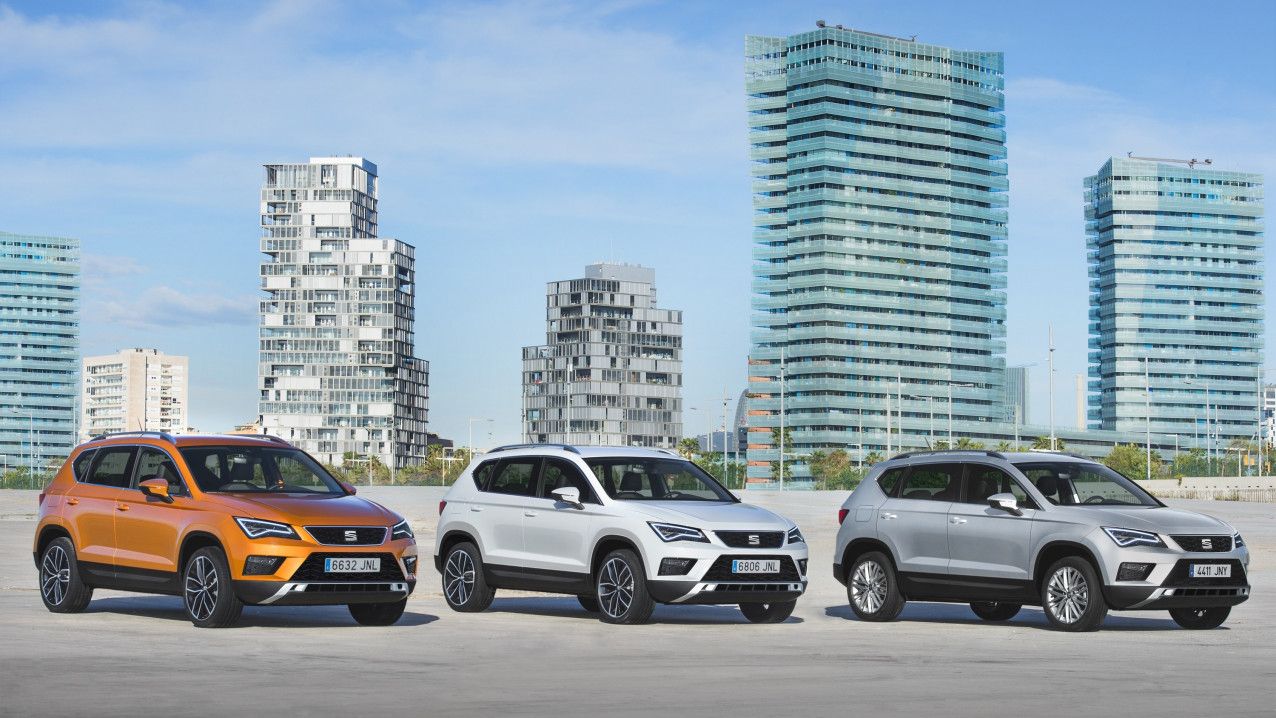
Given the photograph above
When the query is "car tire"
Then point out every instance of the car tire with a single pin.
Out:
(464, 586)
(621, 587)
(995, 611)
(60, 584)
(377, 614)
(872, 588)
(589, 603)
(1072, 596)
(768, 612)
(207, 594)
(1200, 619)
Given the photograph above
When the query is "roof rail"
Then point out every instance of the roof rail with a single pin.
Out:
(158, 434)
(930, 452)
(1061, 452)
(272, 437)
(507, 447)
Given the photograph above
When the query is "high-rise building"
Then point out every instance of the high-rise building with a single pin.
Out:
(880, 194)
(1017, 394)
(337, 369)
(1176, 299)
(134, 390)
(610, 371)
(39, 348)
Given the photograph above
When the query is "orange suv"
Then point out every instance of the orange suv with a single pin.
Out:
(221, 521)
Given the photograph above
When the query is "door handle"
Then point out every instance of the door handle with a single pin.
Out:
(956, 520)
(73, 502)
(888, 517)
(121, 507)
(530, 514)
(476, 509)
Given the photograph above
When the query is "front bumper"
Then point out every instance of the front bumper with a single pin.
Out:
(1170, 586)
(321, 593)
(301, 580)
(712, 580)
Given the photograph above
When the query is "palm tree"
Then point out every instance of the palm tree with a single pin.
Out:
(689, 447)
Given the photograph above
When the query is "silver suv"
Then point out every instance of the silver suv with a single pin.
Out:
(1000, 530)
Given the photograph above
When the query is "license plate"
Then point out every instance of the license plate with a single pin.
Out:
(1209, 570)
(755, 566)
(351, 565)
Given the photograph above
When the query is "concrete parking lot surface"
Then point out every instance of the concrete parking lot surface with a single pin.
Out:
(531, 654)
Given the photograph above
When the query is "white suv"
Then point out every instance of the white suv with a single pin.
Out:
(620, 528)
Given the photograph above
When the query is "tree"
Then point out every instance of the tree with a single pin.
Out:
(1004, 446)
(788, 451)
(1043, 442)
(689, 448)
(1190, 463)
(873, 457)
(830, 466)
(1131, 461)
(965, 443)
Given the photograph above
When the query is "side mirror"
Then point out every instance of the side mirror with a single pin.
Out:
(568, 495)
(157, 487)
(1005, 502)
(349, 487)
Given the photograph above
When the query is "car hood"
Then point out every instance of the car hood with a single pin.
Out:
(309, 510)
(712, 515)
(1162, 520)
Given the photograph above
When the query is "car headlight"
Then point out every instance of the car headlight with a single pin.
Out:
(674, 532)
(795, 536)
(1237, 541)
(401, 530)
(259, 528)
(1130, 537)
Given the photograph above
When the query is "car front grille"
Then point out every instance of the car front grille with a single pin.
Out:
(721, 570)
(1178, 575)
(747, 539)
(1204, 543)
(312, 569)
(341, 535)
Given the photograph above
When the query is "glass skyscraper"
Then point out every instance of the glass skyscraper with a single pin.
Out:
(39, 348)
(1176, 299)
(879, 190)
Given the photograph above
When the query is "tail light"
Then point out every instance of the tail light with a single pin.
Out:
(442, 505)
(841, 515)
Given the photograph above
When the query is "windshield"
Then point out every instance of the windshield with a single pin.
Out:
(671, 479)
(1073, 484)
(258, 469)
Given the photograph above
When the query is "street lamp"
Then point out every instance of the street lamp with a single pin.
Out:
(30, 414)
(471, 430)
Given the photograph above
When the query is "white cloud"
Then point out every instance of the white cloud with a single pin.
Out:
(164, 307)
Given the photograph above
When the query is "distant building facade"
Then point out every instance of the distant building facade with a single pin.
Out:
(39, 348)
(134, 390)
(337, 367)
(1017, 394)
(610, 371)
(1176, 299)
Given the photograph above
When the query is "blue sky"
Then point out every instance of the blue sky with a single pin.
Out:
(518, 142)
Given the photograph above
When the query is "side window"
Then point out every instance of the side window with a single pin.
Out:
(153, 463)
(514, 477)
(933, 482)
(112, 467)
(483, 474)
(558, 474)
(984, 481)
(889, 480)
(80, 469)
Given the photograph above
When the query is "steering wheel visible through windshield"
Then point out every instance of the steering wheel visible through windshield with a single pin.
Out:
(258, 469)
(643, 479)
(1075, 483)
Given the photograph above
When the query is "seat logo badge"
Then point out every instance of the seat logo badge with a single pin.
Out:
(754, 540)
(352, 536)
(1207, 544)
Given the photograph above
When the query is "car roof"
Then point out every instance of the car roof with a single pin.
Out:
(1013, 457)
(587, 452)
(160, 438)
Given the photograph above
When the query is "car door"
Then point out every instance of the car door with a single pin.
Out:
(985, 542)
(915, 521)
(557, 535)
(91, 506)
(147, 528)
(498, 510)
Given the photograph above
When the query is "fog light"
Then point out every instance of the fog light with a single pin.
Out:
(802, 566)
(676, 566)
(409, 562)
(1134, 571)
(262, 565)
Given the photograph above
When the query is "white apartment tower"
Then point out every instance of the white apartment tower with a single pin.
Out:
(337, 370)
(134, 390)
(610, 372)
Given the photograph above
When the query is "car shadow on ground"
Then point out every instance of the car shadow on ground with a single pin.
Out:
(170, 608)
(664, 613)
(1028, 617)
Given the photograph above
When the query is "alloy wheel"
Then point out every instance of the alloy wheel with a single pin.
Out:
(202, 588)
(1067, 595)
(615, 587)
(55, 575)
(458, 577)
(868, 587)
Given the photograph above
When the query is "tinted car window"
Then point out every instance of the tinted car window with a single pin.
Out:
(889, 480)
(559, 474)
(483, 474)
(112, 467)
(933, 482)
(514, 477)
(80, 468)
(153, 463)
(984, 481)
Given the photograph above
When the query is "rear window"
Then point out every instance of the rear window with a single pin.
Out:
(889, 480)
(112, 467)
(514, 477)
(80, 468)
(933, 482)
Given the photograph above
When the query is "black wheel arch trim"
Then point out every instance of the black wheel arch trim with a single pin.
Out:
(859, 547)
(450, 539)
